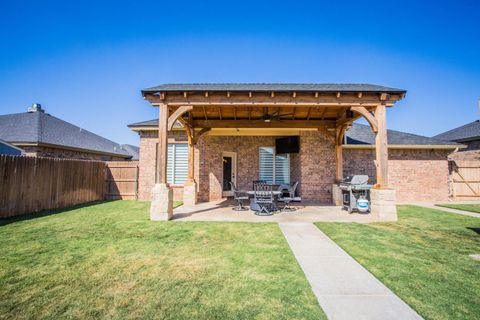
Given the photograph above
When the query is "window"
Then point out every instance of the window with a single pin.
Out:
(177, 163)
(274, 168)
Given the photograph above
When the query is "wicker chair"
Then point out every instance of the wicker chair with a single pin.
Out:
(239, 197)
(263, 197)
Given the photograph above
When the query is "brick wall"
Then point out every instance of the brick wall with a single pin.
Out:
(49, 152)
(416, 175)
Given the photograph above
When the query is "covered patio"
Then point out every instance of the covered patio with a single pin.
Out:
(319, 113)
(305, 212)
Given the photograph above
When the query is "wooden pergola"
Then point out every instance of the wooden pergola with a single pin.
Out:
(330, 108)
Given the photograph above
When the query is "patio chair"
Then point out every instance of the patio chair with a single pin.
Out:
(257, 182)
(287, 199)
(239, 196)
(263, 196)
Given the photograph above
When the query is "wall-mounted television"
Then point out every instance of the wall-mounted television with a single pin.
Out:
(287, 145)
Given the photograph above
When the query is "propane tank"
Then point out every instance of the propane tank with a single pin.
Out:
(363, 205)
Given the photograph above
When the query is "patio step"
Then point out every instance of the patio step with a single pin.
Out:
(344, 289)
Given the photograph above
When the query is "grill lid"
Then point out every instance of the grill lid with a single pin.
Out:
(356, 180)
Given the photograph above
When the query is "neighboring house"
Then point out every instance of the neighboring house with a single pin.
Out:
(418, 166)
(9, 149)
(134, 151)
(43, 135)
(468, 135)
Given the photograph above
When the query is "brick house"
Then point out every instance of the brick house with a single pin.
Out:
(216, 133)
(40, 134)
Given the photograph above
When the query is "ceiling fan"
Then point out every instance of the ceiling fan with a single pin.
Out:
(274, 116)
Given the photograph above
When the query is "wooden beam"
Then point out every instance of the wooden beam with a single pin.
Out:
(383, 96)
(191, 154)
(205, 113)
(359, 95)
(338, 95)
(316, 94)
(206, 94)
(294, 94)
(368, 116)
(185, 94)
(339, 134)
(323, 113)
(228, 94)
(308, 113)
(200, 133)
(262, 124)
(381, 148)
(272, 95)
(177, 114)
(220, 113)
(162, 144)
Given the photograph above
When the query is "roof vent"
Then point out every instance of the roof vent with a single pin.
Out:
(36, 107)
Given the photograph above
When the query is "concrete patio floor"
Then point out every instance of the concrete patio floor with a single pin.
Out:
(305, 212)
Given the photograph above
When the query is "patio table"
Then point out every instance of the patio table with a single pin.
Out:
(275, 193)
(253, 205)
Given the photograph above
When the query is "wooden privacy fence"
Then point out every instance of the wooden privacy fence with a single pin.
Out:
(465, 180)
(31, 184)
(121, 180)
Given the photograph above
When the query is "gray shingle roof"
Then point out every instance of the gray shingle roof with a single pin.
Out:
(152, 123)
(360, 134)
(40, 127)
(466, 132)
(134, 151)
(256, 87)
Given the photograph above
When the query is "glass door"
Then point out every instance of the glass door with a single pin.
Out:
(229, 160)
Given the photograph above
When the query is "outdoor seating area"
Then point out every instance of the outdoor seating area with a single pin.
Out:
(265, 199)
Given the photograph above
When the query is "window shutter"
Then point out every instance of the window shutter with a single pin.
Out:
(181, 163)
(282, 169)
(177, 163)
(266, 164)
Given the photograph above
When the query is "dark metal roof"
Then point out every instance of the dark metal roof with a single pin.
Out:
(258, 87)
(40, 127)
(360, 134)
(470, 131)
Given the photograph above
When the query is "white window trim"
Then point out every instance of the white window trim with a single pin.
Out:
(274, 164)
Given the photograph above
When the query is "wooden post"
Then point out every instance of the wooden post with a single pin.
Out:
(339, 132)
(162, 144)
(381, 147)
(191, 154)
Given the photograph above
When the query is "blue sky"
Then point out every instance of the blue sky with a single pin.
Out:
(87, 61)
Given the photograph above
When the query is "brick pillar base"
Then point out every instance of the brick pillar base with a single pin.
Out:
(337, 195)
(383, 204)
(190, 193)
(161, 208)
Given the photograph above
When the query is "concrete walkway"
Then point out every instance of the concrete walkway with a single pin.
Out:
(450, 210)
(344, 289)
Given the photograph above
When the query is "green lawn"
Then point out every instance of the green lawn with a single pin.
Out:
(110, 261)
(423, 258)
(465, 207)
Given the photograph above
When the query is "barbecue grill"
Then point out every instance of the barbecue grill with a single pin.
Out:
(355, 188)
